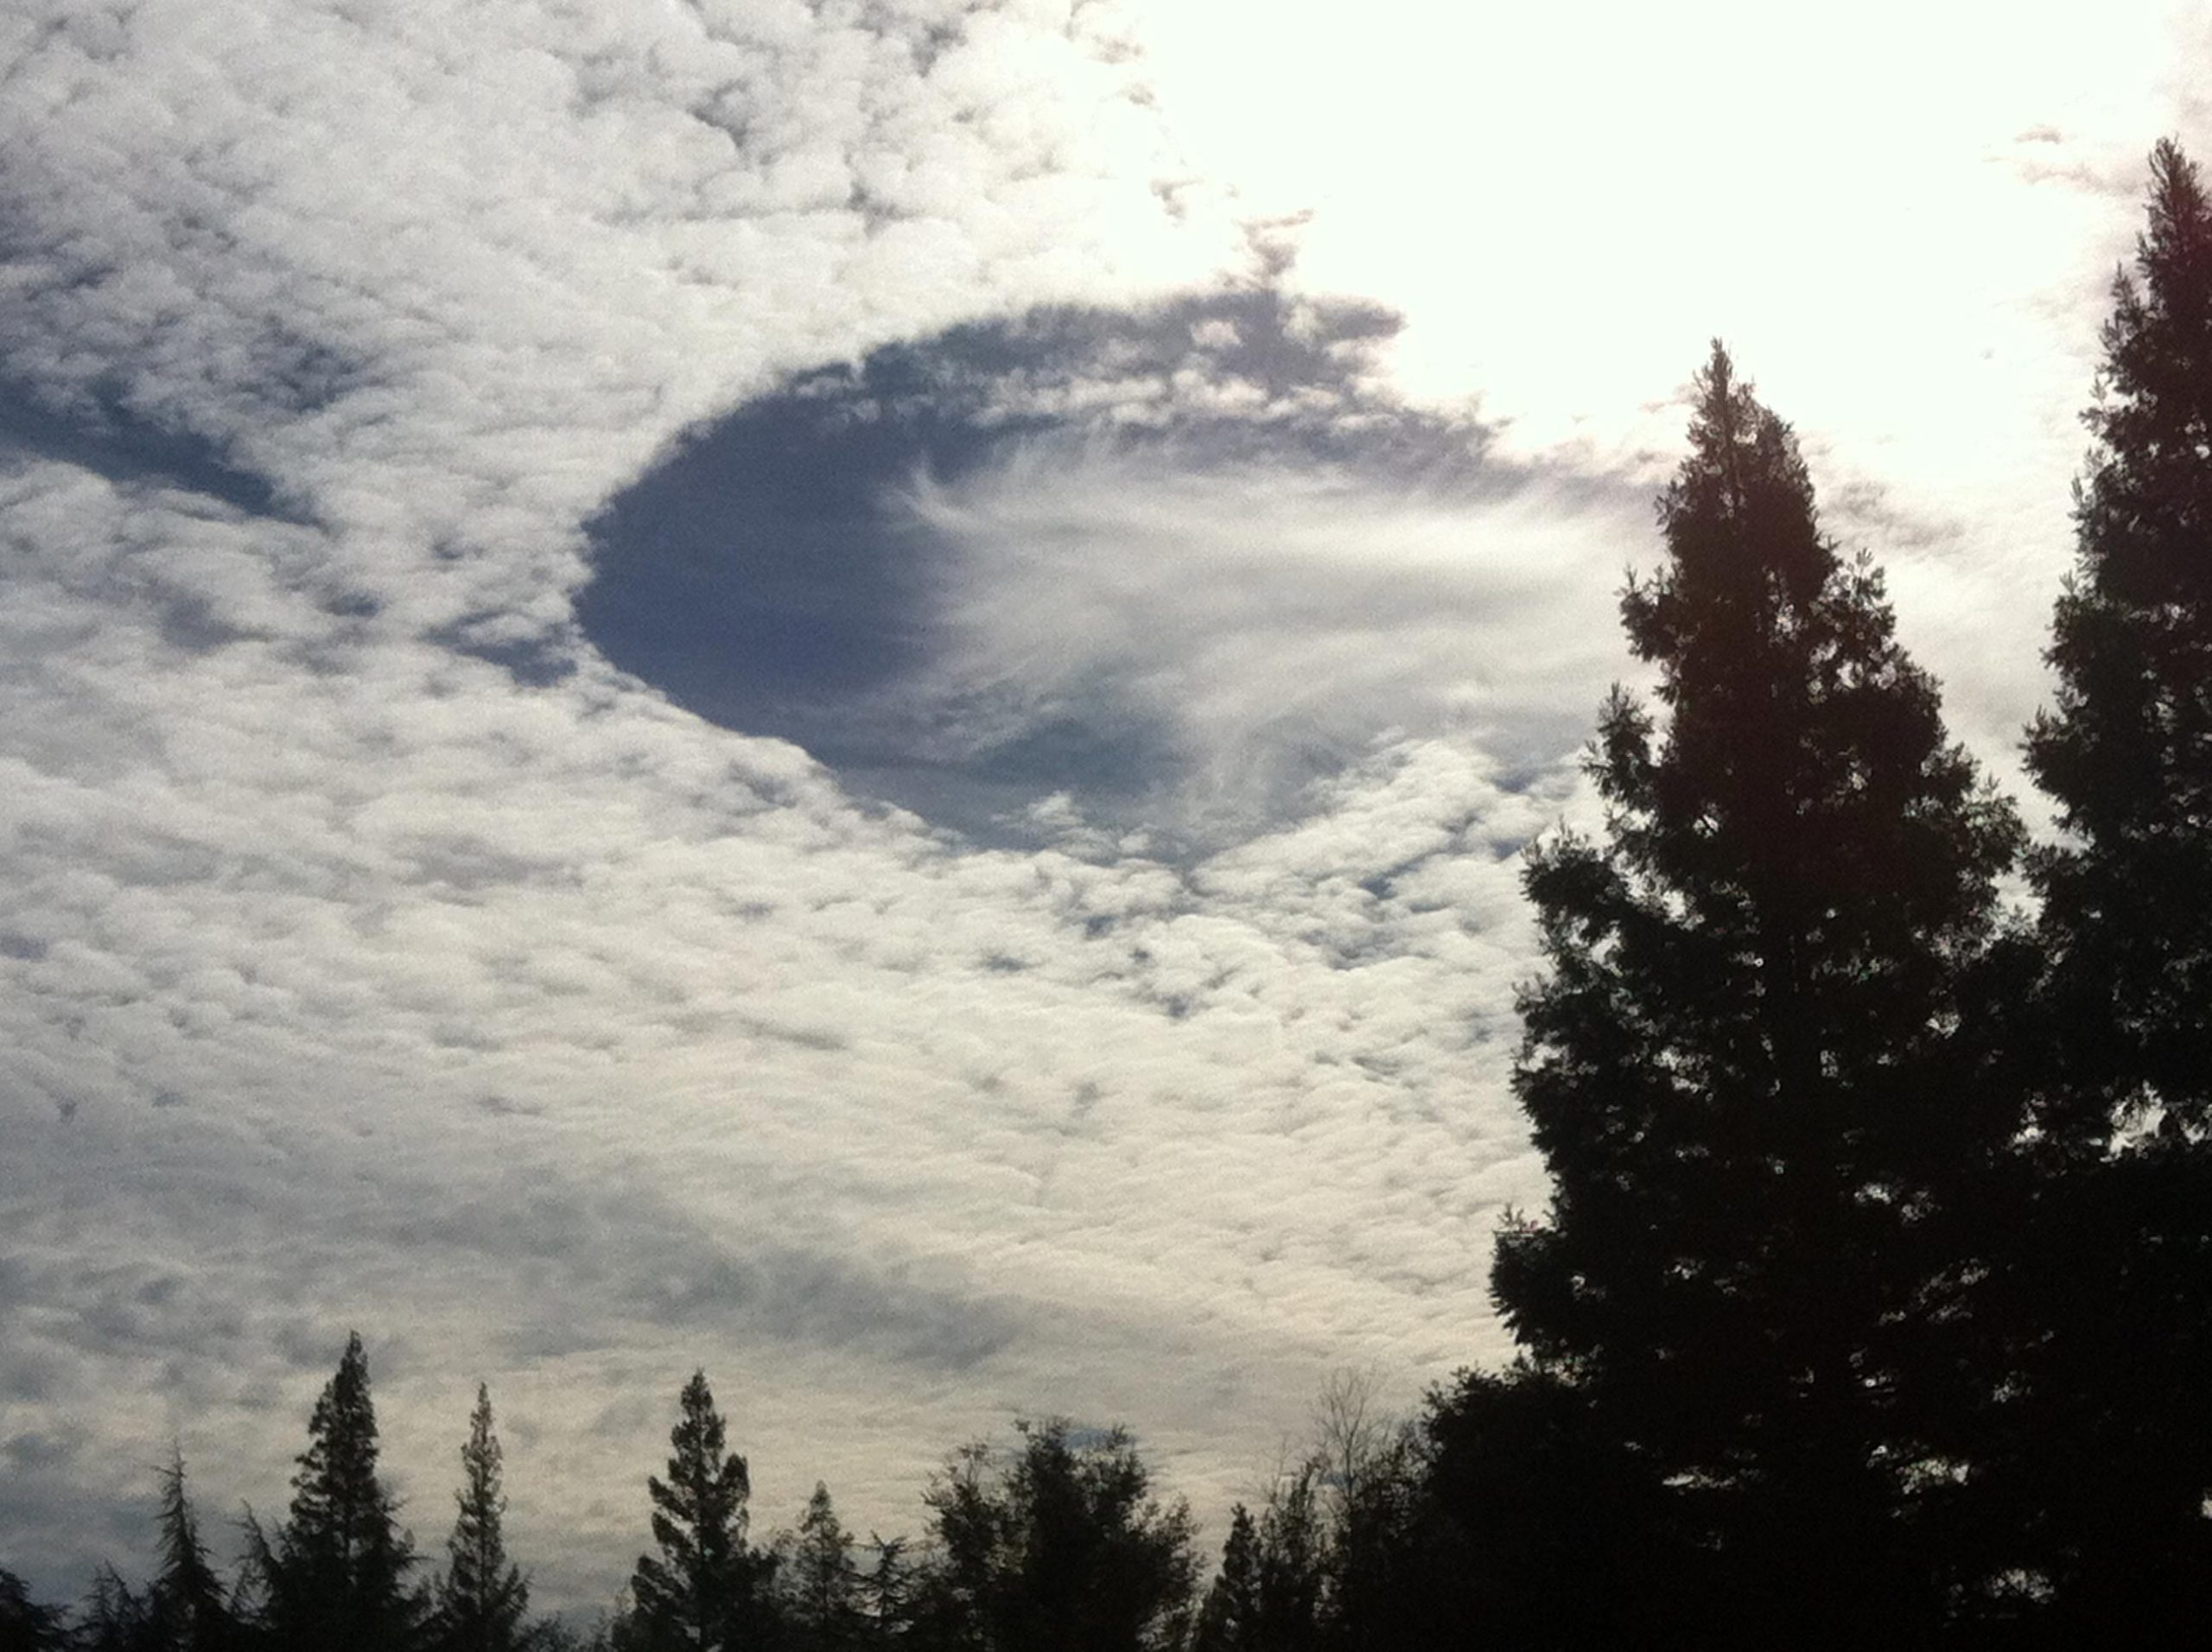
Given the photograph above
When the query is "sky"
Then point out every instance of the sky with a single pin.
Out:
(847, 692)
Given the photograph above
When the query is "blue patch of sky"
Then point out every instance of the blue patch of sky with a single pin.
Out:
(766, 577)
(104, 436)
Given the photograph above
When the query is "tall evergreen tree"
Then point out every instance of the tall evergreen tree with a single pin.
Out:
(190, 1608)
(2128, 754)
(335, 1578)
(25, 1625)
(887, 1586)
(184, 1608)
(706, 1589)
(1229, 1621)
(482, 1599)
(1292, 1570)
(819, 1581)
(114, 1619)
(2114, 1288)
(1755, 1070)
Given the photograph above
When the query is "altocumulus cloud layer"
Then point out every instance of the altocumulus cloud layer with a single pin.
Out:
(377, 953)
(733, 684)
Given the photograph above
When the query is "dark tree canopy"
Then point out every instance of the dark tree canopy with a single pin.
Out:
(706, 1589)
(25, 1624)
(2127, 752)
(482, 1600)
(1750, 1067)
(1293, 1565)
(1061, 1547)
(819, 1582)
(114, 1619)
(190, 1608)
(1342, 1557)
(1230, 1620)
(2113, 1283)
(334, 1577)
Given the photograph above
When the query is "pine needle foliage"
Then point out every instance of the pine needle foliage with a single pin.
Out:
(706, 1590)
(334, 1579)
(2113, 1281)
(1752, 1066)
(482, 1600)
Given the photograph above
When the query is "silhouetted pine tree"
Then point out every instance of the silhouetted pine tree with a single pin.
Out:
(2112, 1289)
(2128, 754)
(25, 1625)
(886, 1588)
(184, 1608)
(1754, 1069)
(335, 1578)
(819, 1583)
(707, 1590)
(481, 1600)
(1230, 1619)
(113, 1618)
(189, 1608)
(1294, 1564)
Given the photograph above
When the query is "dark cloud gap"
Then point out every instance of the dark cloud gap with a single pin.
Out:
(537, 662)
(108, 439)
(765, 576)
(127, 450)
(100, 406)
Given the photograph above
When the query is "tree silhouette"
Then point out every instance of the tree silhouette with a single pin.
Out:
(335, 1578)
(481, 1600)
(1565, 1540)
(1293, 1567)
(887, 1590)
(113, 1618)
(190, 1608)
(2127, 753)
(819, 1582)
(1230, 1620)
(1063, 1548)
(2113, 1290)
(26, 1626)
(706, 1590)
(1755, 1068)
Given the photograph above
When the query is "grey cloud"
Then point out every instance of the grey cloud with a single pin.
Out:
(623, 1257)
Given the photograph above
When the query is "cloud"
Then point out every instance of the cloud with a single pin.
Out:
(1263, 628)
(449, 278)
(550, 1036)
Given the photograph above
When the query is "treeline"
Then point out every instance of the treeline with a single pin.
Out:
(1872, 1303)
(1055, 1541)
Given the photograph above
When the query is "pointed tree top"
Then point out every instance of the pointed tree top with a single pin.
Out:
(2178, 203)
